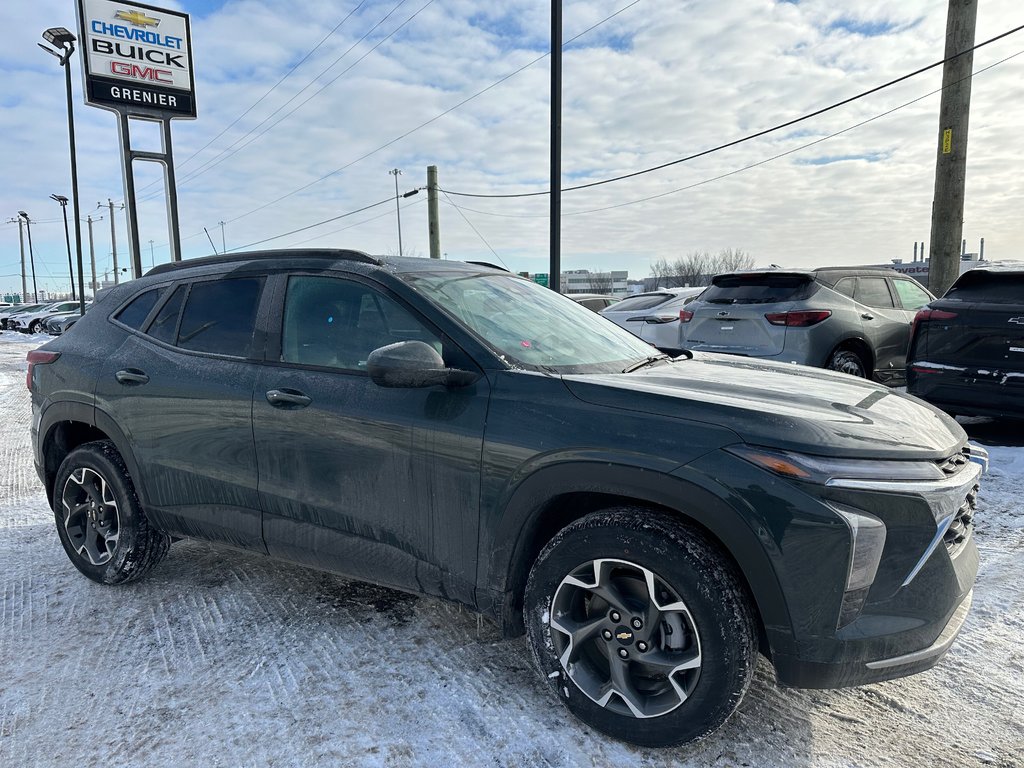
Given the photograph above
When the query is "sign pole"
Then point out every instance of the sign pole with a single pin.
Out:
(131, 214)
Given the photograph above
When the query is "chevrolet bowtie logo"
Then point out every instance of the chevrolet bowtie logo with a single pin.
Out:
(624, 635)
(1017, 320)
(138, 18)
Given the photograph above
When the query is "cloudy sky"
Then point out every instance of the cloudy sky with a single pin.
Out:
(288, 136)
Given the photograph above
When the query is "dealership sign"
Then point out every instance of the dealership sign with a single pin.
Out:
(138, 59)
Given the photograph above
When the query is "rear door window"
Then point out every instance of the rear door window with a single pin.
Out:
(874, 292)
(758, 289)
(989, 288)
(647, 301)
(220, 316)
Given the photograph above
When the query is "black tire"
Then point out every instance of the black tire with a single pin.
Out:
(845, 360)
(36, 327)
(109, 543)
(682, 560)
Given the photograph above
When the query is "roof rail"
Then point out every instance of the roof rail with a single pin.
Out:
(292, 253)
(488, 264)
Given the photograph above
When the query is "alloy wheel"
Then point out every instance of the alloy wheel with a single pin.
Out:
(90, 515)
(625, 637)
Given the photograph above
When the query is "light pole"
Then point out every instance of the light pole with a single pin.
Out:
(223, 238)
(31, 256)
(63, 40)
(63, 202)
(152, 256)
(398, 211)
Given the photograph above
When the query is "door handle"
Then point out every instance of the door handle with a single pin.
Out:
(867, 316)
(131, 376)
(283, 398)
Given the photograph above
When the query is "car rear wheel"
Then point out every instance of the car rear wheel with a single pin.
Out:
(36, 327)
(99, 519)
(641, 626)
(848, 361)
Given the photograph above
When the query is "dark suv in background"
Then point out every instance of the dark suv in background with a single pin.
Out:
(967, 351)
(854, 320)
(650, 522)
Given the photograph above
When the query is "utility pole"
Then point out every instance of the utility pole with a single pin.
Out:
(152, 256)
(113, 240)
(951, 158)
(31, 256)
(433, 218)
(555, 270)
(21, 246)
(92, 255)
(223, 238)
(398, 211)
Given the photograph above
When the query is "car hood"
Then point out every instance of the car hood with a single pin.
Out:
(780, 405)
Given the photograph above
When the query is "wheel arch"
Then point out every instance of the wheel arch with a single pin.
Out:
(553, 497)
(859, 345)
(65, 426)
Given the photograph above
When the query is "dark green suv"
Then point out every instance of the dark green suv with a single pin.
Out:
(651, 523)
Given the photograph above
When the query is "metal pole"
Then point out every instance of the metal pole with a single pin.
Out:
(74, 183)
(172, 193)
(131, 213)
(21, 245)
(555, 276)
(152, 256)
(67, 239)
(433, 216)
(32, 261)
(951, 157)
(398, 211)
(223, 238)
(113, 241)
(92, 257)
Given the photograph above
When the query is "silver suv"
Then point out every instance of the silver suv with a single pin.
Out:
(854, 320)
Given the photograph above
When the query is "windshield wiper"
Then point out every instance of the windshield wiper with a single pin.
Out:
(645, 362)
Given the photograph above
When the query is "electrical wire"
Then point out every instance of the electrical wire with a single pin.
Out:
(274, 87)
(357, 224)
(252, 136)
(482, 238)
(751, 165)
(751, 136)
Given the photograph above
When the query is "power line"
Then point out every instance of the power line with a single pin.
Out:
(357, 224)
(751, 136)
(482, 238)
(252, 136)
(310, 226)
(431, 120)
(274, 87)
(746, 167)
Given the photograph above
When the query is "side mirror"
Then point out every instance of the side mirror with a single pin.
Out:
(413, 364)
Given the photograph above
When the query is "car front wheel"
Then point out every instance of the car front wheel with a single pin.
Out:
(642, 626)
(99, 519)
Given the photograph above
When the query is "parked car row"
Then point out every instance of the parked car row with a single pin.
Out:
(53, 318)
(650, 522)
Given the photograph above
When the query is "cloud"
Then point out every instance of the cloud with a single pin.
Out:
(657, 82)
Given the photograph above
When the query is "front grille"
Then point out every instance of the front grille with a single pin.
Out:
(960, 529)
(956, 462)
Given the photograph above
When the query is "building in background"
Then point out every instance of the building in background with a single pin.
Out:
(615, 283)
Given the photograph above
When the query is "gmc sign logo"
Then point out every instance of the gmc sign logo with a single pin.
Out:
(141, 73)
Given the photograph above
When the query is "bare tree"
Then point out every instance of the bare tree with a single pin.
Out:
(698, 267)
(601, 282)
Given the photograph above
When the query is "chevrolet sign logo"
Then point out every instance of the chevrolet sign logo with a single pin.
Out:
(138, 18)
(1017, 320)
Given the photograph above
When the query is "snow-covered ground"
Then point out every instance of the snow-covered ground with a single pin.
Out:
(228, 659)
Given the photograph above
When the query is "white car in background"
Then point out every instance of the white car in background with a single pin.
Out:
(654, 316)
(32, 321)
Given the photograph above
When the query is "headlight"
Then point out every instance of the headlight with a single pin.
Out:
(821, 469)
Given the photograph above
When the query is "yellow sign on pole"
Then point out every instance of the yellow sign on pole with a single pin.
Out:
(947, 141)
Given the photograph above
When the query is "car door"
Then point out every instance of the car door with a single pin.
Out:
(180, 387)
(377, 483)
(885, 325)
(911, 297)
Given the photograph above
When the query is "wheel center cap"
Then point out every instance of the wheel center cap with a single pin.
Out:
(624, 635)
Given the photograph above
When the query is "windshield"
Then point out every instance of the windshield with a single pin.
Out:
(532, 327)
(988, 287)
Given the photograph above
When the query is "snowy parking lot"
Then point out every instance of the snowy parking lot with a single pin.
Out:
(228, 659)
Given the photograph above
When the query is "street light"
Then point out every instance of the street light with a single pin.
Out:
(61, 39)
(63, 201)
(31, 256)
(398, 211)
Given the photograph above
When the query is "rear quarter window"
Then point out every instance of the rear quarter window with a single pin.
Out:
(138, 309)
(989, 288)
